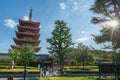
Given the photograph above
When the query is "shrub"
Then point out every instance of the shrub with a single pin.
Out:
(71, 78)
(17, 69)
(5, 60)
(79, 69)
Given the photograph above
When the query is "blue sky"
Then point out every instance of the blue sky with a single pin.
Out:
(74, 12)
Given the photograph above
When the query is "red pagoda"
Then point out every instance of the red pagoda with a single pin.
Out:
(27, 34)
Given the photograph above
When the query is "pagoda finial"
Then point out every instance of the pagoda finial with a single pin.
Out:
(30, 15)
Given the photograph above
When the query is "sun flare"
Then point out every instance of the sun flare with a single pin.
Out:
(113, 23)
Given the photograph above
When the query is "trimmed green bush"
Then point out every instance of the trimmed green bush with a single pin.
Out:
(77, 78)
(71, 78)
(79, 69)
(18, 69)
(5, 60)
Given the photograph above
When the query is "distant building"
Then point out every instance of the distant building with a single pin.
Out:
(42, 59)
(4, 56)
(45, 59)
(27, 34)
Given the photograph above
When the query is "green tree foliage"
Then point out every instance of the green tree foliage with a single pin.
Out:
(85, 55)
(60, 42)
(14, 54)
(102, 55)
(116, 58)
(27, 54)
(72, 55)
(108, 11)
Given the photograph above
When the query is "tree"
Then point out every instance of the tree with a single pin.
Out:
(14, 54)
(109, 14)
(103, 55)
(60, 42)
(72, 55)
(85, 55)
(27, 54)
(116, 58)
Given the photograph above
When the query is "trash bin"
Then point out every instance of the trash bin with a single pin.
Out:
(10, 78)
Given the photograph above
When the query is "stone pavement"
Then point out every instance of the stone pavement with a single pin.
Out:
(20, 78)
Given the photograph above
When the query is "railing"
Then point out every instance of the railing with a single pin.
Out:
(109, 69)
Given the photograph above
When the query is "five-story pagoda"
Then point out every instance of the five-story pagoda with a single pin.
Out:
(27, 34)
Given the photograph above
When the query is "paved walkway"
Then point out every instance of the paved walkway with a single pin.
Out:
(20, 78)
(36, 76)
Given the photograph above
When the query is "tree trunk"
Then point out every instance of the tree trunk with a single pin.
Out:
(83, 64)
(61, 66)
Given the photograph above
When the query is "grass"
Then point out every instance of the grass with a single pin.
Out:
(78, 69)
(70, 78)
(76, 78)
(72, 69)
(18, 69)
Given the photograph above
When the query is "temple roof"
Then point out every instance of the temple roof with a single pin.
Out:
(18, 42)
(28, 23)
(19, 47)
(44, 56)
(28, 28)
(26, 34)
(26, 40)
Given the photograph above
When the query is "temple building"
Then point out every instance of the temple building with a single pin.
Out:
(27, 34)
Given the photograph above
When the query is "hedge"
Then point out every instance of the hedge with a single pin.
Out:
(71, 78)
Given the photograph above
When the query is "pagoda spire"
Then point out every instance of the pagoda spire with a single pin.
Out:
(30, 15)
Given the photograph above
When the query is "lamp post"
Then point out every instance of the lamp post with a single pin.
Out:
(25, 72)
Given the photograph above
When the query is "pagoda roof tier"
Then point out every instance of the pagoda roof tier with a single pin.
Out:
(19, 42)
(28, 23)
(22, 34)
(23, 42)
(20, 46)
(28, 28)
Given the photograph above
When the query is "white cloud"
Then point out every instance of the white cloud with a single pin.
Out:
(70, 7)
(40, 26)
(82, 32)
(84, 39)
(26, 18)
(62, 6)
(75, 6)
(10, 23)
